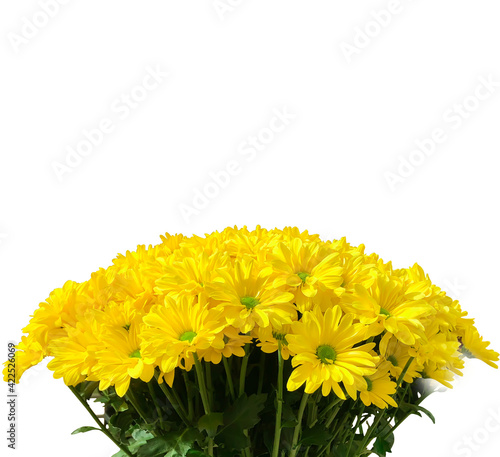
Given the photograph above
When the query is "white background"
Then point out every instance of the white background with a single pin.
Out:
(355, 119)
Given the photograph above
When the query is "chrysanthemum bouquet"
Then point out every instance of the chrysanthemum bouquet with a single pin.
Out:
(251, 343)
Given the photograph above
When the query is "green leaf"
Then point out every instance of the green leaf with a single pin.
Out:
(244, 412)
(288, 418)
(316, 436)
(90, 388)
(210, 423)
(83, 430)
(382, 446)
(416, 409)
(341, 450)
(139, 437)
(242, 415)
(175, 444)
(194, 453)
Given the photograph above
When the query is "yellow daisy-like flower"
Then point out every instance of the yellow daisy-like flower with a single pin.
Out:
(443, 375)
(58, 311)
(29, 353)
(234, 343)
(325, 353)
(375, 389)
(307, 268)
(121, 358)
(190, 275)
(247, 300)
(74, 355)
(269, 339)
(438, 347)
(384, 306)
(397, 354)
(473, 346)
(179, 328)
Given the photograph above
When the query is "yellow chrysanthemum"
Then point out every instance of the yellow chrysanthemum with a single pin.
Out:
(179, 328)
(269, 339)
(247, 300)
(376, 388)
(74, 355)
(121, 359)
(473, 346)
(439, 347)
(383, 306)
(397, 354)
(29, 353)
(443, 375)
(190, 275)
(325, 353)
(306, 268)
(234, 343)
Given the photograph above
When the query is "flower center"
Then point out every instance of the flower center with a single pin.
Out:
(136, 354)
(187, 336)
(126, 327)
(249, 302)
(326, 354)
(384, 312)
(369, 383)
(303, 275)
(393, 360)
(281, 337)
(466, 352)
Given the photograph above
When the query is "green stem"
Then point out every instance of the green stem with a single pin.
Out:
(243, 371)
(157, 405)
(406, 415)
(312, 409)
(190, 411)
(262, 367)
(329, 407)
(405, 370)
(332, 416)
(358, 419)
(133, 399)
(229, 378)
(201, 384)
(101, 425)
(371, 429)
(208, 371)
(179, 409)
(337, 431)
(279, 409)
(204, 397)
(298, 427)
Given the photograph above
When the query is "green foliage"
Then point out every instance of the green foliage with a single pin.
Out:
(174, 444)
(416, 409)
(210, 423)
(171, 421)
(383, 445)
(84, 430)
(316, 436)
(239, 417)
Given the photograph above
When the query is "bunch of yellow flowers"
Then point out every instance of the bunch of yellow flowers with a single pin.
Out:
(344, 324)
